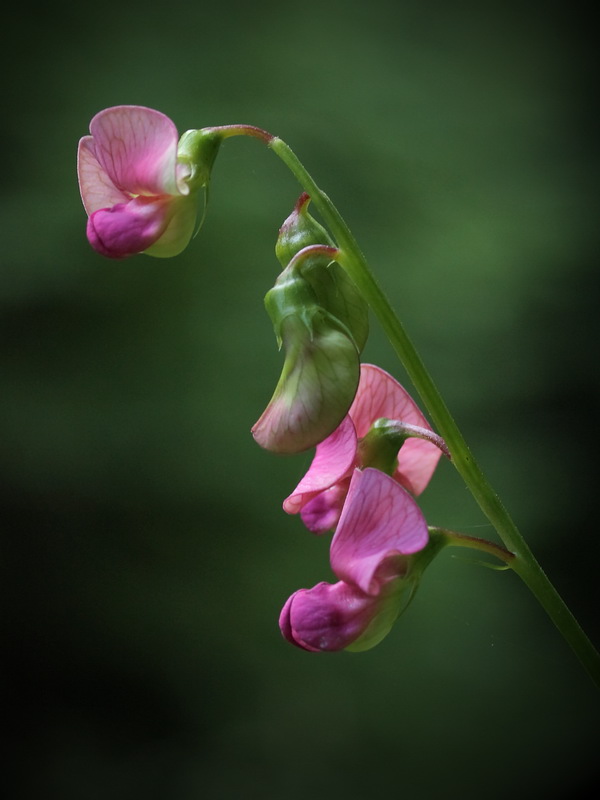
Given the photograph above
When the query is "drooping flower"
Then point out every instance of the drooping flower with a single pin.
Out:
(139, 196)
(320, 495)
(372, 552)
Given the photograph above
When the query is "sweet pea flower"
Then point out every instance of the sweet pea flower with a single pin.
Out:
(138, 196)
(380, 527)
(320, 495)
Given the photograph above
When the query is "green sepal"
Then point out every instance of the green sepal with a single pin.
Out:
(380, 447)
(398, 594)
(199, 149)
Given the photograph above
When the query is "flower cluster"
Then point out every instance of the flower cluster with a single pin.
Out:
(374, 449)
(379, 527)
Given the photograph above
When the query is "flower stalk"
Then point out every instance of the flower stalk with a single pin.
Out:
(524, 562)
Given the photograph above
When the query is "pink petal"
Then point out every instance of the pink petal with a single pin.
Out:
(322, 512)
(97, 189)
(128, 228)
(334, 459)
(379, 524)
(137, 148)
(327, 617)
(380, 395)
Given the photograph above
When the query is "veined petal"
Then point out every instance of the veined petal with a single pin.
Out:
(128, 228)
(315, 389)
(137, 148)
(322, 512)
(97, 189)
(380, 395)
(334, 459)
(327, 617)
(379, 524)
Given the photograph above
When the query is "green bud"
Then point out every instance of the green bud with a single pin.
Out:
(336, 292)
(291, 295)
(299, 230)
(317, 384)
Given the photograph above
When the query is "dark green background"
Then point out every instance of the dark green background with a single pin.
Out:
(145, 552)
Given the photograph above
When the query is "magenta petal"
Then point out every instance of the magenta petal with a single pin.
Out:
(380, 523)
(334, 458)
(380, 395)
(327, 617)
(128, 228)
(137, 148)
(323, 510)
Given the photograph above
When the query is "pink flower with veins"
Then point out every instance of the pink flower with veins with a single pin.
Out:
(379, 528)
(135, 192)
(320, 495)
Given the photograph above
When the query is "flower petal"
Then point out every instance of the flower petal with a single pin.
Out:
(316, 387)
(137, 148)
(380, 395)
(322, 512)
(334, 459)
(180, 228)
(379, 524)
(97, 189)
(327, 617)
(128, 228)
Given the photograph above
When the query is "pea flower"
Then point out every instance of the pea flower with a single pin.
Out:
(321, 493)
(139, 196)
(379, 530)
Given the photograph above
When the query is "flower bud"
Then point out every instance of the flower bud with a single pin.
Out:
(320, 372)
(298, 231)
(331, 283)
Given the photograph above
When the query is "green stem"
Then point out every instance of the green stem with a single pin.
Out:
(455, 539)
(523, 563)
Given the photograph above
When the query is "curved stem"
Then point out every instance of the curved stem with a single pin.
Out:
(352, 259)
(455, 539)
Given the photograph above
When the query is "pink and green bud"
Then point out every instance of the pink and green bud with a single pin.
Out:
(139, 191)
(380, 533)
(319, 376)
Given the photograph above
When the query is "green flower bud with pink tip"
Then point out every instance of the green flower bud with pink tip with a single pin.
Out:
(298, 231)
(335, 290)
(320, 372)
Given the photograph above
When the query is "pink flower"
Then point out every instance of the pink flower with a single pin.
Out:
(379, 528)
(320, 495)
(137, 195)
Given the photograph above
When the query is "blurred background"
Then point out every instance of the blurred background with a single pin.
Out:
(144, 549)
